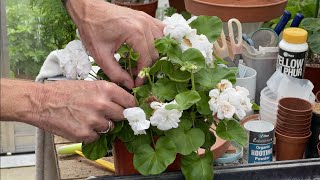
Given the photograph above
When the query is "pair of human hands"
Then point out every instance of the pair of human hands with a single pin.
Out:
(86, 107)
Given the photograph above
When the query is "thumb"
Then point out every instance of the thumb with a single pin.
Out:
(113, 70)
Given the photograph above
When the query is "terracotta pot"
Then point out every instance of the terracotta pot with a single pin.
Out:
(318, 97)
(293, 130)
(123, 160)
(312, 72)
(295, 106)
(250, 118)
(291, 134)
(294, 117)
(290, 148)
(297, 127)
(244, 10)
(178, 5)
(149, 8)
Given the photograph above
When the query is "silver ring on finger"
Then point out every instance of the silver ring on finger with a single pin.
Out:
(109, 128)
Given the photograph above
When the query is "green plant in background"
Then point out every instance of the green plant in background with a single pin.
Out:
(183, 96)
(34, 30)
(312, 25)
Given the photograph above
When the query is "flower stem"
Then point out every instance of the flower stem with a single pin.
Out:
(192, 81)
(149, 79)
(129, 62)
(154, 144)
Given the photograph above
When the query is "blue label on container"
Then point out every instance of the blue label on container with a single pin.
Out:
(260, 153)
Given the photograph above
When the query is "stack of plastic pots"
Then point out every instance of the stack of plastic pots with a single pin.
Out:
(292, 128)
(268, 106)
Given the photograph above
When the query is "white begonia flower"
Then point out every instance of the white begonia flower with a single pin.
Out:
(213, 102)
(192, 19)
(117, 56)
(74, 61)
(224, 84)
(164, 119)
(176, 26)
(225, 110)
(137, 120)
(200, 42)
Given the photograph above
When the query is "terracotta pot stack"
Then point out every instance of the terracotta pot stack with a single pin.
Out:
(292, 128)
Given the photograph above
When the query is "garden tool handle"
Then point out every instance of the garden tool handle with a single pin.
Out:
(108, 165)
(236, 47)
(221, 51)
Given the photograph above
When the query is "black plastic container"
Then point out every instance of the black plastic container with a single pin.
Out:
(312, 150)
(295, 169)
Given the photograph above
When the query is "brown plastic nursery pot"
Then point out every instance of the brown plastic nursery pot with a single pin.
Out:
(178, 5)
(294, 120)
(290, 148)
(291, 122)
(291, 134)
(295, 106)
(149, 8)
(243, 10)
(123, 160)
(294, 117)
(296, 127)
(290, 131)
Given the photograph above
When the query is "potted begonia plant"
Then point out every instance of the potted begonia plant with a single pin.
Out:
(188, 93)
(147, 6)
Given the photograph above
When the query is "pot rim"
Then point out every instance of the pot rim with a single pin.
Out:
(135, 4)
(295, 111)
(294, 121)
(289, 134)
(246, 6)
(290, 139)
(295, 115)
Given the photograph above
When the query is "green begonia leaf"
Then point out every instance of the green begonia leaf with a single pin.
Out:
(97, 149)
(186, 141)
(154, 161)
(185, 121)
(117, 127)
(180, 76)
(161, 66)
(311, 24)
(137, 142)
(203, 105)
(210, 138)
(314, 42)
(231, 130)
(211, 26)
(143, 91)
(185, 100)
(194, 56)
(164, 89)
(209, 78)
(169, 46)
(182, 87)
(126, 134)
(197, 167)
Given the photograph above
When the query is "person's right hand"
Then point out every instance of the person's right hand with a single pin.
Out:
(77, 110)
(104, 27)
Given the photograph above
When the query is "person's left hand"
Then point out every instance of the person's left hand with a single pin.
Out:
(104, 27)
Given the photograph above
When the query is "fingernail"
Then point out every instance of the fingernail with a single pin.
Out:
(128, 84)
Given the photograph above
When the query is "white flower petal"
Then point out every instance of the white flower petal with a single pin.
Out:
(137, 119)
(224, 84)
(176, 26)
(165, 119)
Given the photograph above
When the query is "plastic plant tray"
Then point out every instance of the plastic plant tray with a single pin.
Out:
(294, 169)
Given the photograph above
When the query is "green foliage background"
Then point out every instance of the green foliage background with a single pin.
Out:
(35, 28)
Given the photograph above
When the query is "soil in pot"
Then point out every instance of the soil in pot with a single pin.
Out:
(149, 8)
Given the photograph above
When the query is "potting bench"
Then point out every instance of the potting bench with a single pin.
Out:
(76, 166)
